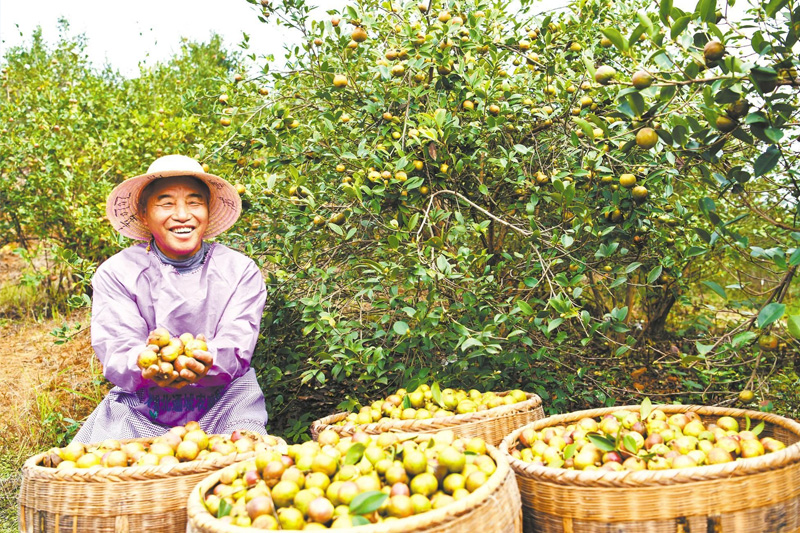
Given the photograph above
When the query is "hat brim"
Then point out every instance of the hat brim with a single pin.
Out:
(224, 206)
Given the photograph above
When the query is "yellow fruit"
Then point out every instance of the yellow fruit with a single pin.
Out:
(147, 358)
(639, 193)
(340, 81)
(359, 35)
(627, 180)
(494, 109)
(468, 105)
(768, 342)
(605, 42)
(746, 396)
(641, 80)
(646, 138)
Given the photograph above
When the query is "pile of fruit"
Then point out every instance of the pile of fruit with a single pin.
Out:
(342, 482)
(645, 440)
(431, 402)
(180, 444)
(170, 354)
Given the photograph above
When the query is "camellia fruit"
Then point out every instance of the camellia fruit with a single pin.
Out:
(713, 51)
(641, 80)
(746, 396)
(359, 34)
(639, 193)
(627, 180)
(725, 124)
(646, 138)
(604, 74)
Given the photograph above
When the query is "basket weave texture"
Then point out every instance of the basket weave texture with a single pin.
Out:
(748, 495)
(149, 499)
(495, 507)
(491, 424)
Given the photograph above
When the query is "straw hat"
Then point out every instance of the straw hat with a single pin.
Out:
(224, 206)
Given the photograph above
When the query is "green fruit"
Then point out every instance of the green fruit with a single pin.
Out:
(425, 484)
(641, 80)
(746, 396)
(725, 124)
(414, 462)
(646, 138)
(604, 74)
(713, 51)
(452, 459)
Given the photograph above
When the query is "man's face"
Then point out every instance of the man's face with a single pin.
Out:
(176, 213)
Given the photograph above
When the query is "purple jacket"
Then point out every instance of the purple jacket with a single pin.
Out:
(134, 293)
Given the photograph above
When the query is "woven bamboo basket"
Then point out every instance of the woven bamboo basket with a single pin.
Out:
(491, 424)
(495, 507)
(149, 499)
(748, 495)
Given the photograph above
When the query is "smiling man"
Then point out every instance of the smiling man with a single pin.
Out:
(175, 279)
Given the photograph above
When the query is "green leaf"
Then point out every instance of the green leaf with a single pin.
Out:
(587, 128)
(603, 443)
(679, 25)
(616, 38)
(406, 401)
(653, 275)
(770, 314)
(774, 6)
(758, 429)
(716, 288)
(766, 161)
(436, 394)
(356, 451)
(706, 9)
(569, 450)
(630, 443)
(469, 343)
(703, 349)
(694, 251)
(359, 520)
(526, 309)
(367, 502)
(645, 409)
(400, 327)
(793, 323)
(225, 508)
(664, 10)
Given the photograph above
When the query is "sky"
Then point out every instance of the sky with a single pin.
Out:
(125, 33)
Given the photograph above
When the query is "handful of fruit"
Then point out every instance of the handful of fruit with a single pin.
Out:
(431, 402)
(646, 440)
(342, 482)
(179, 445)
(170, 354)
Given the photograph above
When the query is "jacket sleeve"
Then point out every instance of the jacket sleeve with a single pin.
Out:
(118, 331)
(234, 340)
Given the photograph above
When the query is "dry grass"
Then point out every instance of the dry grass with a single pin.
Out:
(43, 388)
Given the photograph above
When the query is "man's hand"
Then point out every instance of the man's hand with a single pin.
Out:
(163, 379)
(187, 370)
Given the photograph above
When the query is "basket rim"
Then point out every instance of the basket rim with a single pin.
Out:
(532, 402)
(503, 472)
(596, 478)
(31, 469)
